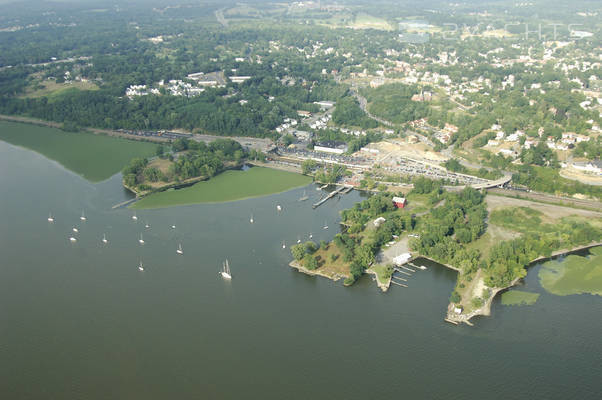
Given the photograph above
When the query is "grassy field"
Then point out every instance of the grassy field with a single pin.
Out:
(95, 157)
(366, 21)
(519, 298)
(574, 274)
(227, 186)
(51, 88)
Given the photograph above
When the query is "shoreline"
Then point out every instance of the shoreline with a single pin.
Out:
(382, 286)
(485, 309)
(296, 265)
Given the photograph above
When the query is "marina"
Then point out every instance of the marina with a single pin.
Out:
(339, 190)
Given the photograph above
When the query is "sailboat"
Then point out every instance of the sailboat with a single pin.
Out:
(147, 225)
(173, 227)
(226, 270)
(311, 236)
(50, 218)
(325, 225)
(278, 207)
(141, 241)
(104, 238)
(140, 266)
(283, 245)
(251, 220)
(305, 196)
(179, 251)
(72, 239)
(83, 217)
(75, 230)
(134, 217)
(298, 239)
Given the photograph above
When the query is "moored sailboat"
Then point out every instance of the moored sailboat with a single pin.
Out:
(225, 272)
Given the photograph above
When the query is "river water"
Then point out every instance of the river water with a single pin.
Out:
(79, 321)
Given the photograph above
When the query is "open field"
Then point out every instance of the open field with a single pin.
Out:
(550, 210)
(366, 21)
(573, 274)
(51, 88)
(227, 186)
(95, 157)
(494, 235)
(331, 263)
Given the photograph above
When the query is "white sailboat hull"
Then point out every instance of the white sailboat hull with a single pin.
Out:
(225, 275)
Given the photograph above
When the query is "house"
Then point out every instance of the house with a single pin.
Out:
(239, 79)
(399, 202)
(304, 113)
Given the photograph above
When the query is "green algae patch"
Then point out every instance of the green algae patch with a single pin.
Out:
(94, 157)
(574, 274)
(519, 298)
(228, 186)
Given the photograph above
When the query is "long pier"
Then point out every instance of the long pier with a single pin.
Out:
(124, 203)
(399, 284)
(330, 196)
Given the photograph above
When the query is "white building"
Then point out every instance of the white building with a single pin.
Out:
(402, 259)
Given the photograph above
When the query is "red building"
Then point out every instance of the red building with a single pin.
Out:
(399, 202)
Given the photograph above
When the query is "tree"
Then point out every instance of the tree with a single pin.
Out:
(298, 251)
(308, 166)
(310, 262)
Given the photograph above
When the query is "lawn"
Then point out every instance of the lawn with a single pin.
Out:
(519, 298)
(95, 157)
(227, 186)
(574, 274)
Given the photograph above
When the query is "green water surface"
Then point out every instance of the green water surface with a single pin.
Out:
(227, 186)
(94, 157)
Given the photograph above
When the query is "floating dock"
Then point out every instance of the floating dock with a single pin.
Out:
(399, 284)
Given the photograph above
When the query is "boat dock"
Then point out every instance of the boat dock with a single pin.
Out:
(124, 203)
(330, 196)
(402, 271)
(398, 284)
